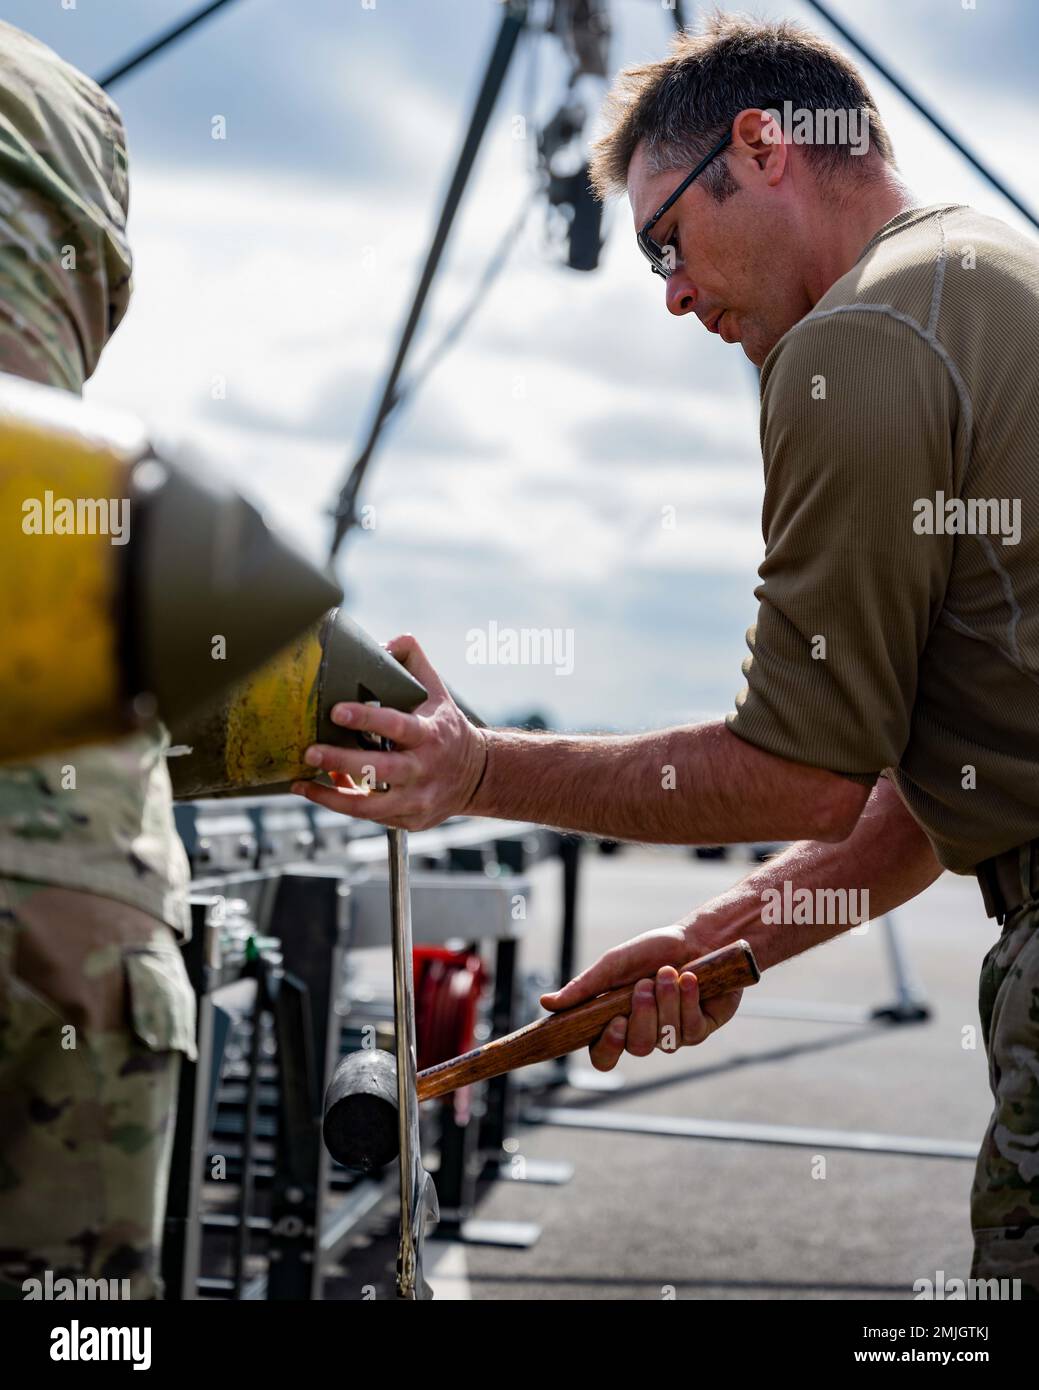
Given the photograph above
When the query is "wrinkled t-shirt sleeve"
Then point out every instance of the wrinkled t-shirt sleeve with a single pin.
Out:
(859, 419)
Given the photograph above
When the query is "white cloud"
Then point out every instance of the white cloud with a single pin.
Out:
(529, 476)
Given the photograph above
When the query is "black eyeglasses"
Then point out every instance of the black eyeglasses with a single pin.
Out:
(662, 258)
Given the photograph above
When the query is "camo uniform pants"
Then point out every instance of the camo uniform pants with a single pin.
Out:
(1005, 1198)
(95, 1012)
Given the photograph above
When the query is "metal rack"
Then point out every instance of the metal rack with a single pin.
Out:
(268, 958)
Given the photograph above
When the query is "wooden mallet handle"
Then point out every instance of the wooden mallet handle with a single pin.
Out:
(719, 972)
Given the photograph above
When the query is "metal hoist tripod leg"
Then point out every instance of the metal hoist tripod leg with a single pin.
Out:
(418, 1198)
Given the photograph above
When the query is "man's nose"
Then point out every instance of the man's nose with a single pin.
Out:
(680, 297)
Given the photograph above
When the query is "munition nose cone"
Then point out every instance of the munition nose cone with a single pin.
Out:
(218, 590)
(356, 667)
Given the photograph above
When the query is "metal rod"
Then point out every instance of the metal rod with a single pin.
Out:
(570, 859)
(405, 1047)
(514, 17)
(417, 1198)
(908, 994)
(914, 101)
(674, 1127)
(155, 46)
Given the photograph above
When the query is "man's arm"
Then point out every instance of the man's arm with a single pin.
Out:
(887, 854)
(695, 784)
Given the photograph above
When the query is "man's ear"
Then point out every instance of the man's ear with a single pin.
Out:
(757, 135)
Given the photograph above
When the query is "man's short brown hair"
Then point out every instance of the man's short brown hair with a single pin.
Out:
(682, 105)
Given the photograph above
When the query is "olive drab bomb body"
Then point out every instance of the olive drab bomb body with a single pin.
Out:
(119, 571)
(253, 737)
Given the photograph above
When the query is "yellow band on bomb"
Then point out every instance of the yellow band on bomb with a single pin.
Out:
(59, 589)
(271, 716)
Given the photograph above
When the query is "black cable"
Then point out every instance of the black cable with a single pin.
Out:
(156, 46)
(915, 102)
(514, 17)
(495, 265)
(535, 35)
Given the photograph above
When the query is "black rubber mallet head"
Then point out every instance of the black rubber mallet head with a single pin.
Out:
(360, 1126)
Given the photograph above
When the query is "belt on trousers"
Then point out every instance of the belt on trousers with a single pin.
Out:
(1009, 880)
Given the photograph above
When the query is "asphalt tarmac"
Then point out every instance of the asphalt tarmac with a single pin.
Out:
(650, 1216)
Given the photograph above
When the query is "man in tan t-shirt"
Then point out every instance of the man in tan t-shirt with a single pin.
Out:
(890, 723)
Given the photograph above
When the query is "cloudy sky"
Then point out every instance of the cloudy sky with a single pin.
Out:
(526, 484)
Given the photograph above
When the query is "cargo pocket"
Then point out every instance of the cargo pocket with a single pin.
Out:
(162, 1002)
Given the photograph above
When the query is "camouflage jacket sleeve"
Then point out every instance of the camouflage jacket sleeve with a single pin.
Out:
(65, 265)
